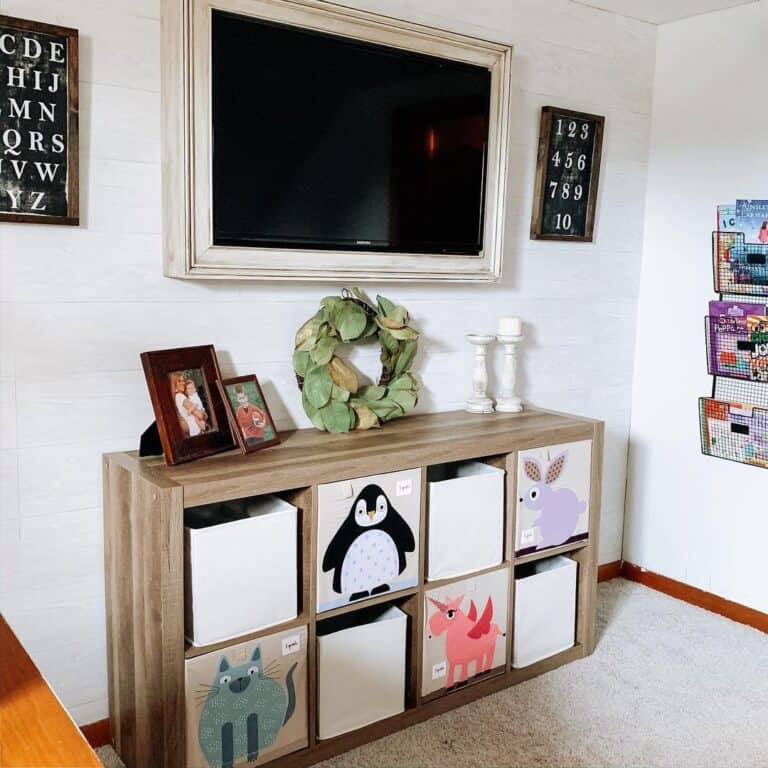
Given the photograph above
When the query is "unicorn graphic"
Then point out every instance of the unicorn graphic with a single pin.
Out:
(468, 638)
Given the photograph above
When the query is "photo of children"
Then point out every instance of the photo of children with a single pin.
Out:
(249, 413)
(191, 400)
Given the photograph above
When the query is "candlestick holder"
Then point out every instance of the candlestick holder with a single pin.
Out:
(509, 402)
(480, 402)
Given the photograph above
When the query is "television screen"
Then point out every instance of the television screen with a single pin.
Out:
(325, 142)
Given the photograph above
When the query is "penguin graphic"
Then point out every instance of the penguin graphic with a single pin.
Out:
(368, 550)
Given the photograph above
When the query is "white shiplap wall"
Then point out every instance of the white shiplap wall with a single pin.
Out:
(80, 304)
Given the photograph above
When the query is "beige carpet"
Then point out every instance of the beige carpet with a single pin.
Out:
(670, 685)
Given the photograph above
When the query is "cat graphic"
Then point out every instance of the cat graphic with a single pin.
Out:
(245, 708)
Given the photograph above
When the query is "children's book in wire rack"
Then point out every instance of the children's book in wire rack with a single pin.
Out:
(734, 420)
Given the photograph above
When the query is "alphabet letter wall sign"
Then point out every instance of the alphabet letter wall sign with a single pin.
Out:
(38, 122)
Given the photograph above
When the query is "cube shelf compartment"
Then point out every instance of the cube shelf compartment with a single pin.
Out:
(545, 609)
(465, 632)
(368, 664)
(457, 543)
(261, 687)
(361, 669)
(233, 550)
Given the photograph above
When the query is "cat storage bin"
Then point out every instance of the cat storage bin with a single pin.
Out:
(240, 562)
(367, 537)
(553, 486)
(360, 669)
(246, 704)
(466, 519)
(465, 631)
(545, 609)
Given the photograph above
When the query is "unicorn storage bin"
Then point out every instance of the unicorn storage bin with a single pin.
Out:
(240, 568)
(360, 669)
(553, 485)
(459, 543)
(246, 704)
(367, 537)
(465, 628)
(545, 609)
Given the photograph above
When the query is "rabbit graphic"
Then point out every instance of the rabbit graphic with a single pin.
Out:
(559, 509)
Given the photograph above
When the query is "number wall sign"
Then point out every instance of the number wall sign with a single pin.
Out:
(567, 175)
(38, 122)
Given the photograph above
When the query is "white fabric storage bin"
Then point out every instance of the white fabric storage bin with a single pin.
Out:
(360, 669)
(240, 568)
(545, 610)
(466, 519)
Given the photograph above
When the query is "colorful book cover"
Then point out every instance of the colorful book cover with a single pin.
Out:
(735, 309)
(726, 218)
(757, 328)
(752, 220)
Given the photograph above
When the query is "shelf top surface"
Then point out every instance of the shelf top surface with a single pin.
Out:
(308, 456)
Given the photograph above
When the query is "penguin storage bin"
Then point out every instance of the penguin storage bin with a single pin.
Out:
(360, 669)
(240, 568)
(247, 704)
(465, 628)
(545, 609)
(553, 486)
(465, 532)
(367, 537)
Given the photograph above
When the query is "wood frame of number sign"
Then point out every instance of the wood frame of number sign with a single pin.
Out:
(72, 189)
(539, 191)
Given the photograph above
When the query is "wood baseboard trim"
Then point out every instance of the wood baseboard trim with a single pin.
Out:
(97, 734)
(608, 571)
(695, 596)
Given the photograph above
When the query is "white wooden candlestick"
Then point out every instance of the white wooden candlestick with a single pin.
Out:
(509, 402)
(480, 402)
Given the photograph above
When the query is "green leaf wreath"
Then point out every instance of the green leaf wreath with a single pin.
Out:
(330, 392)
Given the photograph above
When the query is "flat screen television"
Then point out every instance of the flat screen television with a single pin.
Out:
(327, 142)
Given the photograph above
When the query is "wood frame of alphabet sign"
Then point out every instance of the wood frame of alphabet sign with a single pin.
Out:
(539, 191)
(72, 186)
(188, 247)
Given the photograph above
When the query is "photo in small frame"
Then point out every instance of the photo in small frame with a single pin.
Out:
(191, 417)
(248, 412)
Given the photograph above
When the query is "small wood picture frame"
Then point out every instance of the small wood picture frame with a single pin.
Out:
(249, 416)
(39, 180)
(191, 417)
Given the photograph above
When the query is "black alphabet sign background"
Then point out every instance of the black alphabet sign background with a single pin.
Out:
(567, 175)
(38, 122)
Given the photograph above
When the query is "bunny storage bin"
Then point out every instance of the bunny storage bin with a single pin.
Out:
(553, 486)
(545, 609)
(246, 704)
(459, 543)
(360, 669)
(465, 631)
(367, 537)
(240, 568)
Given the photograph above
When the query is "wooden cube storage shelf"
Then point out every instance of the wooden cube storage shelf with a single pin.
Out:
(144, 502)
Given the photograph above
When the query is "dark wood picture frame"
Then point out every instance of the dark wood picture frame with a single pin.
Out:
(178, 446)
(72, 216)
(539, 191)
(246, 447)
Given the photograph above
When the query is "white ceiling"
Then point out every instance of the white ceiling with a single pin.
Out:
(661, 11)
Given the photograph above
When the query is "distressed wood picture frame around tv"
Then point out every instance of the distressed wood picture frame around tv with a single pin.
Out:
(189, 249)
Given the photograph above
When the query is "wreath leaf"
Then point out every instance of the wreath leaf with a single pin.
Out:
(323, 352)
(318, 385)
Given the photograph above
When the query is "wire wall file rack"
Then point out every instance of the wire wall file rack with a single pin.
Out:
(733, 422)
